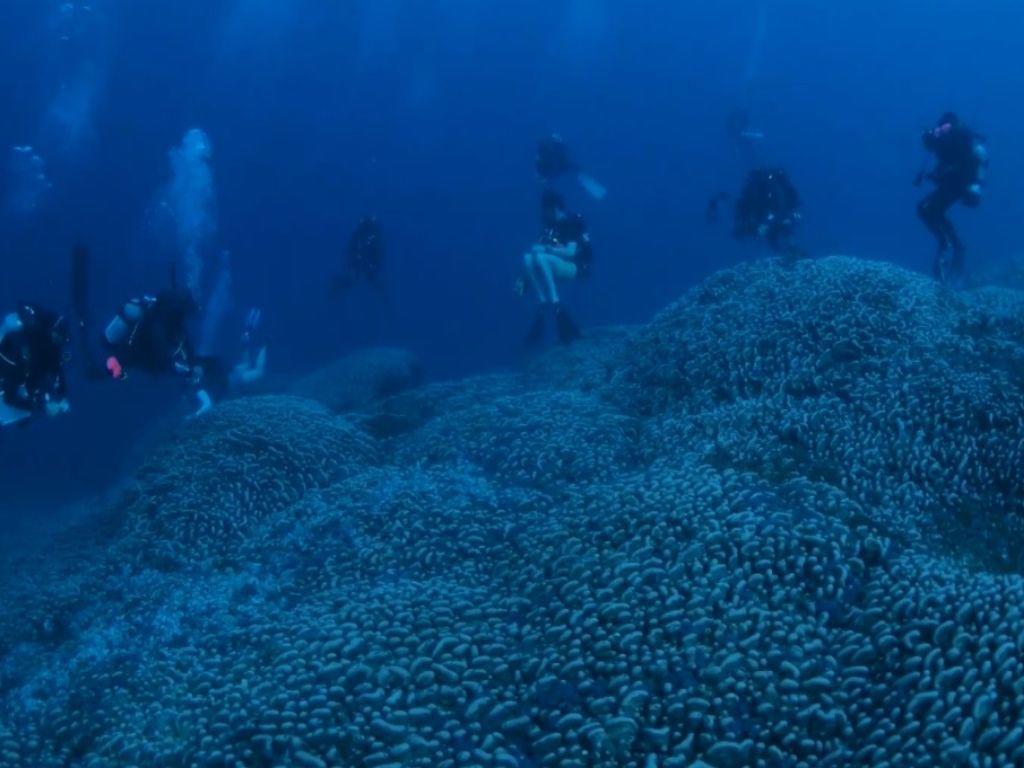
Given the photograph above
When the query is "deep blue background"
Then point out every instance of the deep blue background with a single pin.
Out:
(426, 113)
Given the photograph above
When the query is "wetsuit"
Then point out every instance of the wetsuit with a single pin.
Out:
(32, 352)
(151, 335)
(768, 208)
(957, 176)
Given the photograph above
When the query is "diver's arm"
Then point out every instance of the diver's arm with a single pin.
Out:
(54, 408)
(55, 402)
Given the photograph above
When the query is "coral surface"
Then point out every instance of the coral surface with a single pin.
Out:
(357, 380)
(777, 526)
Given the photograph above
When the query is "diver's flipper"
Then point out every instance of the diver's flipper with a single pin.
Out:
(593, 187)
(536, 333)
(10, 415)
(567, 330)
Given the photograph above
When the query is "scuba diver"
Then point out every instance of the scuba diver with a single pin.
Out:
(150, 334)
(553, 162)
(33, 348)
(364, 258)
(768, 208)
(563, 252)
(959, 176)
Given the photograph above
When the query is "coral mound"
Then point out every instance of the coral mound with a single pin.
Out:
(200, 492)
(359, 379)
(538, 438)
(775, 527)
(856, 373)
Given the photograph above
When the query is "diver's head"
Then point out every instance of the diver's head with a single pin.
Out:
(947, 123)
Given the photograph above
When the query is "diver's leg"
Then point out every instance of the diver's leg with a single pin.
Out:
(932, 211)
(955, 245)
(532, 263)
(544, 263)
(931, 214)
(536, 332)
(554, 267)
(956, 258)
(568, 332)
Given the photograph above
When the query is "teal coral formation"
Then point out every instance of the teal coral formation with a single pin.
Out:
(360, 379)
(777, 526)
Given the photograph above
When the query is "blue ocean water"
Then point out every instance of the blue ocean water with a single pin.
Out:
(253, 135)
(427, 113)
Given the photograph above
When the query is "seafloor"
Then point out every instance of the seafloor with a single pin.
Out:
(778, 526)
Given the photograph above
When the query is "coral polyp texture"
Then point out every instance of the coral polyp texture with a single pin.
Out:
(778, 526)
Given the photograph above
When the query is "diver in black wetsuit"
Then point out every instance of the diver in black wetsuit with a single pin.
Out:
(33, 348)
(959, 176)
(364, 258)
(150, 334)
(554, 162)
(768, 208)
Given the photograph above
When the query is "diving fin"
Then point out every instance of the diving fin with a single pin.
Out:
(593, 187)
(568, 332)
(9, 415)
(536, 333)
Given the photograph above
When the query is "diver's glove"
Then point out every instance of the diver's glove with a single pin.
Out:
(520, 287)
(55, 408)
